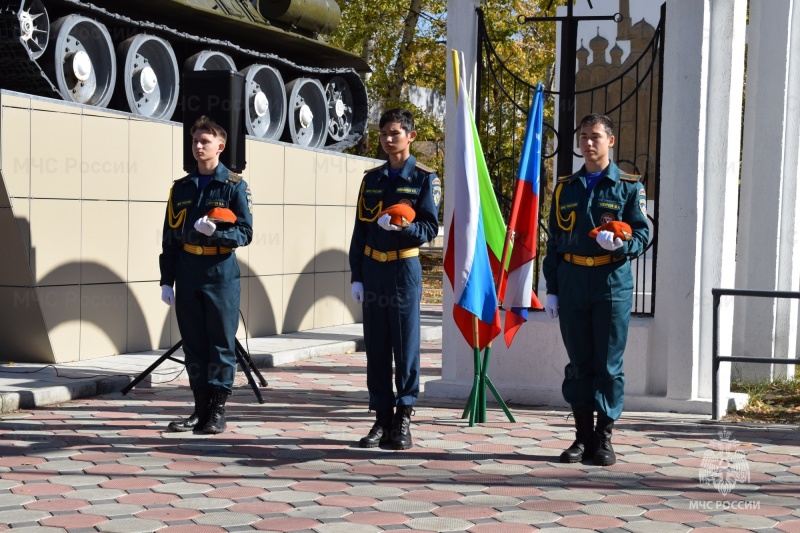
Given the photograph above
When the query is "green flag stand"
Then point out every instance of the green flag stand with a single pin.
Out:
(476, 404)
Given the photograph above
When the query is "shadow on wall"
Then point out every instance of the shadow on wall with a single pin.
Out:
(299, 305)
(120, 315)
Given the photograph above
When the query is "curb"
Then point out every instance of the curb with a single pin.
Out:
(54, 395)
(58, 394)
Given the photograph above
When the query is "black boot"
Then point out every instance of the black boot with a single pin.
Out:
(199, 417)
(401, 428)
(216, 419)
(379, 434)
(604, 453)
(583, 445)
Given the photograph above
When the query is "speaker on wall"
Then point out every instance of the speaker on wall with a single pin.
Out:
(218, 94)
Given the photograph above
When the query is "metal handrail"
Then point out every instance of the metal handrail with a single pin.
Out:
(716, 359)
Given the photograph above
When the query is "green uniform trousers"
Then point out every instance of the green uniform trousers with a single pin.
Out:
(594, 309)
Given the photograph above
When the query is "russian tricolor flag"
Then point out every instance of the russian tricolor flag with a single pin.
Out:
(524, 223)
(476, 232)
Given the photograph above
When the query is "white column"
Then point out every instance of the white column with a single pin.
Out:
(703, 77)
(768, 255)
(462, 35)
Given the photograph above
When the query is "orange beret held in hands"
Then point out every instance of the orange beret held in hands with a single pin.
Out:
(401, 214)
(620, 230)
(221, 215)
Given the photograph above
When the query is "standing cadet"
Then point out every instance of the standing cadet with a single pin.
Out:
(387, 276)
(198, 257)
(590, 286)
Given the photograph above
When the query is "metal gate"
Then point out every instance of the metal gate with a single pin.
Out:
(631, 98)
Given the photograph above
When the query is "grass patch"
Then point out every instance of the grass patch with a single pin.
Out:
(775, 401)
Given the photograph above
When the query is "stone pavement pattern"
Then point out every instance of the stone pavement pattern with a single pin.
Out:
(292, 464)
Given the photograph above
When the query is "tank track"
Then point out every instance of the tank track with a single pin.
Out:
(23, 74)
(20, 72)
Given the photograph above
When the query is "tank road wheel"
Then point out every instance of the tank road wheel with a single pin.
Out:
(34, 27)
(340, 108)
(307, 115)
(81, 61)
(209, 60)
(149, 72)
(265, 102)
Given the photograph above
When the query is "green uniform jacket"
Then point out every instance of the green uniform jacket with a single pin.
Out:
(187, 204)
(419, 187)
(574, 213)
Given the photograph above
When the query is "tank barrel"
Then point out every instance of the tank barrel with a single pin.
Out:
(319, 16)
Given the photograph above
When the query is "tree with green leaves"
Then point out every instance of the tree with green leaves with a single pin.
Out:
(408, 48)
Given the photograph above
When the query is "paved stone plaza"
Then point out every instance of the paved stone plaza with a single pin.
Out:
(292, 464)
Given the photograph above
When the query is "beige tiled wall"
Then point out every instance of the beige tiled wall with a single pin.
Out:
(331, 180)
(265, 306)
(244, 307)
(298, 302)
(55, 154)
(104, 247)
(150, 171)
(104, 324)
(328, 303)
(145, 221)
(331, 243)
(265, 171)
(299, 226)
(266, 250)
(82, 205)
(16, 152)
(148, 323)
(56, 241)
(299, 179)
(104, 161)
(61, 309)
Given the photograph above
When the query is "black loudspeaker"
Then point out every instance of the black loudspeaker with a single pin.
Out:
(218, 94)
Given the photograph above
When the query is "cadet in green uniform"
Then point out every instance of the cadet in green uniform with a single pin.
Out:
(387, 276)
(590, 285)
(198, 256)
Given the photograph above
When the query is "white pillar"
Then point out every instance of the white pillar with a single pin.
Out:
(462, 35)
(768, 252)
(703, 77)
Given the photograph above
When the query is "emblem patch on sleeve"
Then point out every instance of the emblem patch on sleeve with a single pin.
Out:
(643, 206)
(436, 191)
(249, 197)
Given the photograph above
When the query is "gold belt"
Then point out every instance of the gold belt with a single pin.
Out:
(206, 250)
(591, 261)
(390, 256)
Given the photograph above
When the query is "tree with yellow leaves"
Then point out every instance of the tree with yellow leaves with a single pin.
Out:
(406, 47)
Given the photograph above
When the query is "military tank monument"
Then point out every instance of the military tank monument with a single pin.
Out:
(129, 55)
(94, 97)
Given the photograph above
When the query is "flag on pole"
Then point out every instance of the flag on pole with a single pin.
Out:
(524, 224)
(477, 230)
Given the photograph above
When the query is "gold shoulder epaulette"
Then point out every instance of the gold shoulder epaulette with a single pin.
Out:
(234, 177)
(427, 169)
(564, 179)
(373, 169)
(629, 177)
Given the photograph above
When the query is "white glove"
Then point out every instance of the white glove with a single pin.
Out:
(167, 295)
(551, 306)
(205, 226)
(607, 240)
(386, 223)
(357, 290)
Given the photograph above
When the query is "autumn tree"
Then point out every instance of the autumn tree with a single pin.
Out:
(408, 48)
